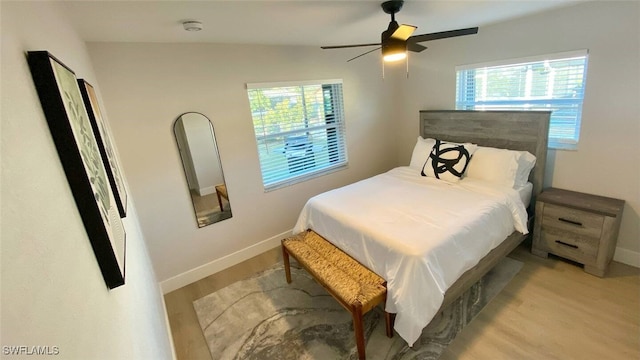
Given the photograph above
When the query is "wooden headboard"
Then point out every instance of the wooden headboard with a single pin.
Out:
(515, 130)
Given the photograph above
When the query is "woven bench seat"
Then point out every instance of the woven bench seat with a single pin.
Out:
(355, 287)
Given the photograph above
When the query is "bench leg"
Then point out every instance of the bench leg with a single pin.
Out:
(219, 200)
(358, 328)
(389, 320)
(287, 266)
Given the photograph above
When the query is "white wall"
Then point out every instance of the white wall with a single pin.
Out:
(607, 161)
(203, 152)
(53, 293)
(185, 154)
(147, 86)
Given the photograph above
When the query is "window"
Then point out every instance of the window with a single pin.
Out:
(549, 82)
(299, 128)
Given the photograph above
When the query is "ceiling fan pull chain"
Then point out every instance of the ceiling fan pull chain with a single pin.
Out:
(407, 65)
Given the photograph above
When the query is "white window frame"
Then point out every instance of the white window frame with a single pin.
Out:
(466, 98)
(327, 159)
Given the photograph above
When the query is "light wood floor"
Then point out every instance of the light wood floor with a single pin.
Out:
(551, 310)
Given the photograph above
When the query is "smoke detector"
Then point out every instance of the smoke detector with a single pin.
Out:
(192, 25)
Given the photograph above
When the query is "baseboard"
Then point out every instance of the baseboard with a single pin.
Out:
(217, 265)
(166, 320)
(627, 257)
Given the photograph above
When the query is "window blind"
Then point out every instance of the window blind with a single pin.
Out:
(299, 129)
(550, 82)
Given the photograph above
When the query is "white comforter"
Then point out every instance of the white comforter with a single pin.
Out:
(418, 233)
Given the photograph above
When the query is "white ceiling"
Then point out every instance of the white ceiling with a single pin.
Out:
(292, 22)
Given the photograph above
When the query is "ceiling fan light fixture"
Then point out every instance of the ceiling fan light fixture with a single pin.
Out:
(394, 51)
(395, 57)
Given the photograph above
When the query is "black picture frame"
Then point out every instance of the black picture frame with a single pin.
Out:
(72, 134)
(105, 146)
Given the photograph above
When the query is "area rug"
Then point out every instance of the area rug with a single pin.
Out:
(264, 318)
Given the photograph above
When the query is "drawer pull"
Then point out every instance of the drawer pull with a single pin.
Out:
(577, 223)
(565, 244)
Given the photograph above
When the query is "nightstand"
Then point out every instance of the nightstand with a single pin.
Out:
(577, 226)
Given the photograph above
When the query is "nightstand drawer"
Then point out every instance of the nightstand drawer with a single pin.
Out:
(571, 220)
(578, 248)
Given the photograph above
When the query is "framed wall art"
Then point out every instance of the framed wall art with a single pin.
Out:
(104, 144)
(72, 134)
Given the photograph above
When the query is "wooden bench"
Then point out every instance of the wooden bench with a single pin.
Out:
(356, 288)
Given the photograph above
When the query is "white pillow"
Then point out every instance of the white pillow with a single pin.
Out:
(501, 166)
(421, 152)
(526, 162)
(448, 161)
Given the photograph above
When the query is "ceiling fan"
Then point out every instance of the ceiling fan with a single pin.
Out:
(398, 39)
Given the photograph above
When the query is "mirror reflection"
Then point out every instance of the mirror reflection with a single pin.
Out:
(199, 153)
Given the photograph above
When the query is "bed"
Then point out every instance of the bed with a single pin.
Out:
(432, 239)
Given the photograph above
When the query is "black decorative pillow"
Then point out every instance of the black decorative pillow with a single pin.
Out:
(448, 161)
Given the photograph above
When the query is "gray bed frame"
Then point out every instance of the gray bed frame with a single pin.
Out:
(515, 130)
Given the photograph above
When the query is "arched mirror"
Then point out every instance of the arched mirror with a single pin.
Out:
(202, 168)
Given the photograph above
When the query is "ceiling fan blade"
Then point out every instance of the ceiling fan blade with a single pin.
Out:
(368, 52)
(349, 46)
(443, 35)
(403, 32)
(415, 47)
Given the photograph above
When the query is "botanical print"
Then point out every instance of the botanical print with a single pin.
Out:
(84, 138)
(108, 147)
(91, 158)
(80, 156)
